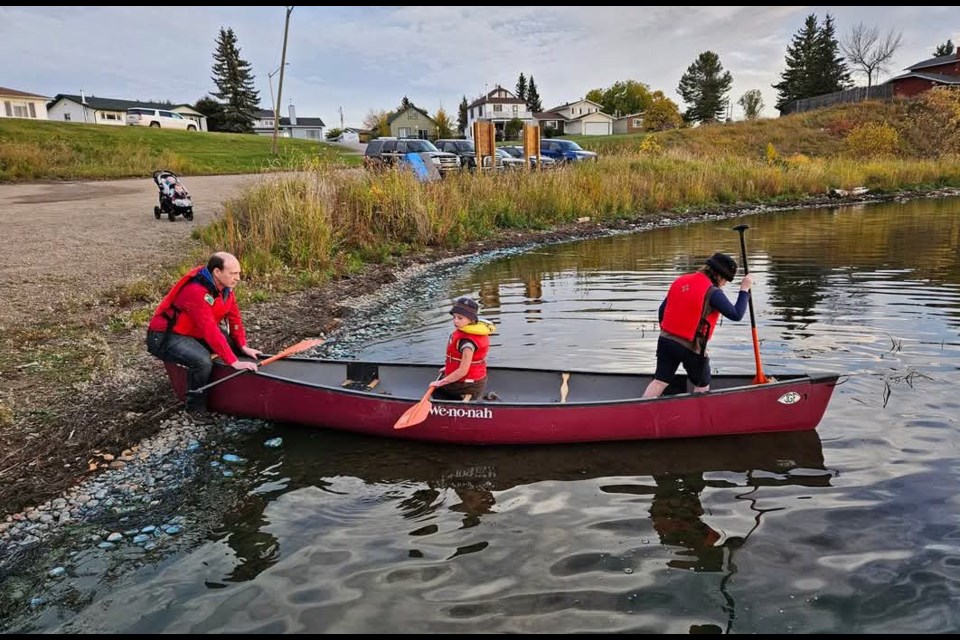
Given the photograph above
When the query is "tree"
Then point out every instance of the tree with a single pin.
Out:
(404, 104)
(662, 114)
(462, 116)
(511, 130)
(704, 88)
(752, 104)
(332, 133)
(622, 97)
(444, 124)
(372, 120)
(830, 72)
(945, 49)
(522, 87)
(234, 81)
(870, 52)
(213, 110)
(533, 97)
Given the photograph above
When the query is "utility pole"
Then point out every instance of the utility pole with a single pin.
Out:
(283, 64)
(341, 117)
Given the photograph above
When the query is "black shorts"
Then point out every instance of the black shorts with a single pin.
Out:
(671, 354)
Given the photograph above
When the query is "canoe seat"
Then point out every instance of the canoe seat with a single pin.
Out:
(358, 385)
(361, 376)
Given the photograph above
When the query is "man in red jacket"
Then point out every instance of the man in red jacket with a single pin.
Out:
(185, 328)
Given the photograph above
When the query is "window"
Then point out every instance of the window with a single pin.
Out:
(414, 114)
(497, 108)
(516, 110)
(20, 110)
(312, 134)
(111, 116)
(638, 122)
(66, 117)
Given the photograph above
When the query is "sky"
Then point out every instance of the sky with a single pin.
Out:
(360, 59)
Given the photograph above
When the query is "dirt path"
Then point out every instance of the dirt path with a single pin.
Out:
(63, 237)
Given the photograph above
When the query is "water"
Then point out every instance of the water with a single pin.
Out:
(852, 528)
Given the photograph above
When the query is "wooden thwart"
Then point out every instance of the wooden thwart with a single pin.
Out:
(564, 387)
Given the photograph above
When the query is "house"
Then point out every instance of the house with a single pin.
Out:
(500, 107)
(942, 71)
(94, 110)
(412, 122)
(292, 127)
(583, 117)
(632, 123)
(20, 104)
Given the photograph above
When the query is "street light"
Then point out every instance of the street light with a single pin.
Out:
(276, 107)
(283, 64)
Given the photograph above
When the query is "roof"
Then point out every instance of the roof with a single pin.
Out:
(403, 111)
(631, 115)
(13, 93)
(935, 62)
(567, 104)
(932, 77)
(116, 104)
(550, 115)
(490, 99)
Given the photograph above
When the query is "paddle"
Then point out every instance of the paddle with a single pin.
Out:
(417, 413)
(759, 378)
(303, 345)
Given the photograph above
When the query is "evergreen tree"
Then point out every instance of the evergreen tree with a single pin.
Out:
(234, 81)
(462, 116)
(214, 112)
(945, 49)
(704, 88)
(533, 97)
(522, 87)
(404, 104)
(795, 82)
(829, 72)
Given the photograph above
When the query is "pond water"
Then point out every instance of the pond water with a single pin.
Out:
(851, 528)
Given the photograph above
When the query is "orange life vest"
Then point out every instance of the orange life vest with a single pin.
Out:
(688, 315)
(478, 364)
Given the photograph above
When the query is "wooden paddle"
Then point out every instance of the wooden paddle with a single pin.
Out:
(417, 413)
(303, 345)
(759, 378)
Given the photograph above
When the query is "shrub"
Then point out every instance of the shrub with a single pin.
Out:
(872, 139)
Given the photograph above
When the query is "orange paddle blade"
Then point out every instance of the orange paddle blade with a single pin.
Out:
(303, 345)
(417, 413)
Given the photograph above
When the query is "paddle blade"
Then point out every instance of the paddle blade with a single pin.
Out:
(303, 345)
(417, 413)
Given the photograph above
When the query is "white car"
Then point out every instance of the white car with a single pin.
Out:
(140, 116)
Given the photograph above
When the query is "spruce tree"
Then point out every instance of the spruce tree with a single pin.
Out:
(462, 116)
(704, 88)
(533, 97)
(945, 49)
(522, 87)
(829, 71)
(795, 81)
(234, 81)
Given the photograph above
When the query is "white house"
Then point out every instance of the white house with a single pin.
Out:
(500, 107)
(583, 117)
(20, 104)
(292, 127)
(94, 110)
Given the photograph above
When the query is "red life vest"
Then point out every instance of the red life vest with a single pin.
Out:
(478, 364)
(688, 314)
(166, 309)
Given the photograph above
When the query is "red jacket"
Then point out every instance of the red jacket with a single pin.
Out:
(478, 364)
(196, 307)
(688, 314)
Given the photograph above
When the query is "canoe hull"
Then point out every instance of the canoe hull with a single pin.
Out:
(287, 395)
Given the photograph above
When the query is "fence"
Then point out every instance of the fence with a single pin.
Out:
(857, 94)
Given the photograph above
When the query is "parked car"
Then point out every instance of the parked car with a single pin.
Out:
(565, 150)
(387, 152)
(139, 116)
(467, 152)
(509, 162)
(517, 152)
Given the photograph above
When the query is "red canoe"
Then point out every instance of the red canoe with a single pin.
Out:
(368, 398)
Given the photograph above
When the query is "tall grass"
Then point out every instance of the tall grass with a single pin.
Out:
(325, 222)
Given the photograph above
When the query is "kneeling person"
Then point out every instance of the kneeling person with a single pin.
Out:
(185, 328)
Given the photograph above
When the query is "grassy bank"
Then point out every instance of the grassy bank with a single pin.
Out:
(41, 150)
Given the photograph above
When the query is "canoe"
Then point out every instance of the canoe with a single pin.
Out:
(533, 406)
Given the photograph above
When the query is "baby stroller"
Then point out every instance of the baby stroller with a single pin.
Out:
(174, 199)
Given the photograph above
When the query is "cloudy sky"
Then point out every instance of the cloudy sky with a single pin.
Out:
(358, 58)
